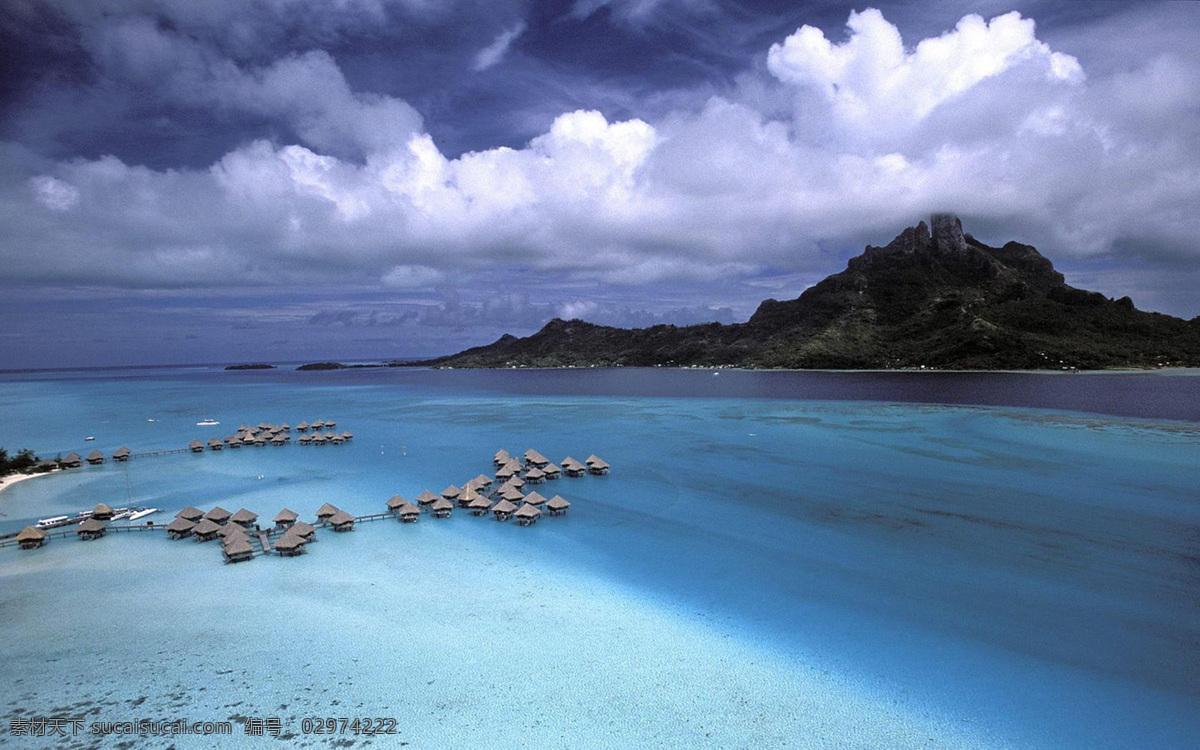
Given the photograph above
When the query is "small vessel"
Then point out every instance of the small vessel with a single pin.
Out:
(122, 514)
(89, 438)
(207, 423)
(53, 522)
(141, 513)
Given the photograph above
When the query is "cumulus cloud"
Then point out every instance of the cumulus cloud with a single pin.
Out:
(985, 119)
(492, 54)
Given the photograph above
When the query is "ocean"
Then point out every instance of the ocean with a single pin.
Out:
(803, 560)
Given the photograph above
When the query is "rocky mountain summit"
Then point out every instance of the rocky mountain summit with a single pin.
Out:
(934, 298)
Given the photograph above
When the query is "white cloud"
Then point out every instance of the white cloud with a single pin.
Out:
(492, 54)
(986, 120)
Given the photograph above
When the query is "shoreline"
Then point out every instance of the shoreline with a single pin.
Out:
(11, 479)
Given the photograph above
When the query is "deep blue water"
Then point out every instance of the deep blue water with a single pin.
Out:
(778, 559)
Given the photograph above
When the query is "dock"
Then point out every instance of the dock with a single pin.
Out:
(265, 542)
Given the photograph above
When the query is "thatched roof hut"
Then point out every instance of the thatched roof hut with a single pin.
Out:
(557, 505)
(191, 513)
(527, 515)
(278, 440)
(512, 495)
(451, 492)
(326, 511)
(231, 529)
(95, 458)
(552, 471)
(347, 435)
(534, 499)
(289, 545)
(483, 480)
(335, 439)
(535, 475)
(260, 441)
(573, 468)
(426, 498)
(305, 439)
(503, 510)
(302, 427)
(215, 444)
(442, 507)
(206, 530)
(90, 528)
(247, 439)
(597, 465)
(480, 506)
(102, 512)
(318, 439)
(71, 461)
(244, 517)
(180, 527)
(394, 503)
(408, 512)
(196, 446)
(303, 529)
(237, 548)
(514, 481)
(502, 457)
(467, 496)
(535, 458)
(218, 515)
(285, 517)
(342, 521)
(122, 454)
(31, 537)
(330, 423)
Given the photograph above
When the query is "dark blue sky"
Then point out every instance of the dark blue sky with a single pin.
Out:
(285, 180)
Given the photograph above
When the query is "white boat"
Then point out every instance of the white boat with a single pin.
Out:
(89, 438)
(122, 514)
(54, 521)
(143, 512)
(207, 423)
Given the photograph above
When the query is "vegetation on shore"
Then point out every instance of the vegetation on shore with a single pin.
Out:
(24, 462)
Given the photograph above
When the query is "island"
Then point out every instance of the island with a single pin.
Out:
(258, 366)
(933, 298)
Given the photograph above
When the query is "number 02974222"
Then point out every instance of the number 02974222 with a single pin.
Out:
(330, 725)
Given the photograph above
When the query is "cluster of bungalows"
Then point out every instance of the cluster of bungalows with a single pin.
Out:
(277, 435)
(93, 526)
(94, 458)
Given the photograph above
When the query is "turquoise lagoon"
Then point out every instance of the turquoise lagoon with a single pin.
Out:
(761, 569)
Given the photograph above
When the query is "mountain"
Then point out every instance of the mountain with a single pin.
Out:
(932, 297)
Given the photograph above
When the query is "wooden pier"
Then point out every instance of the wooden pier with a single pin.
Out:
(265, 542)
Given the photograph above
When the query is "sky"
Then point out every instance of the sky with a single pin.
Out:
(283, 180)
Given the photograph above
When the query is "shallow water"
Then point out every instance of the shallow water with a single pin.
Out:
(757, 571)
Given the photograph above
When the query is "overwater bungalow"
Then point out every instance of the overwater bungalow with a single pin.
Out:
(503, 510)
(289, 545)
(318, 425)
(102, 512)
(191, 513)
(72, 461)
(206, 530)
(260, 441)
(557, 505)
(218, 515)
(442, 508)
(304, 530)
(234, 441)
(196, 446)
(534, 458)
(335, 439)
(347, 435)
(31, 537)
(180, 527)
(426, 499)
(122, 454)
(597, 465)
(244, 518)
(467, 496)
(516, 481)
(552, 471)
(483, 480)
(512, 495)
(285, 518)
(285, 427)
(247, 439)
(394, 503)
(237, 549)
(318, 439)
(302, 427)
(263, 426)
(95, 458)
(573, 468)
(305, 439)
(278, 440)
(502, 457)
(408, 512)
(231, 529)
(215, 444)
(326, 512)
(535, 475)
(480, 506)
(452, 492)
(330, 423)
(535, 499)
(506, 472)
(342, 521)
(527, 515)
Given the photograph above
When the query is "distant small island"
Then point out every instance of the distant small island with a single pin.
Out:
(933, 298)
(322, 366)
(258, 366)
